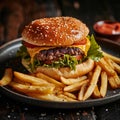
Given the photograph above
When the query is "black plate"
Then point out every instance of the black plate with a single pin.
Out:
(8, 59)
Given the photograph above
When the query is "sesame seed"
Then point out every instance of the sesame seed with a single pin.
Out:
(47, 27)
(32, 30)
(60, 44)
(35, 41)
(45, 35)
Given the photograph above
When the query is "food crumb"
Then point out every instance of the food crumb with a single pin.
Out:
(84, 113)
(25, 109)
(77, 113)
(9, 116)
(43, 114)
(106, 110)
(114, 91)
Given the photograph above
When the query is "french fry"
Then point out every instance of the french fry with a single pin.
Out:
(75, 86)
(93, 82)
(69, 81)
(104, 82)
(58, 90)
(106, 66)
(19, 81)
(96, 93)
(49, 79)
(116, 59)
(109, 61)
(30, 79)
(7, 77)
(71, 95)
(117, 80)
(116, 67)
(113, 64)
(112, 82)
(69, 99)
(90, 75)
(82, 91)
(50, 97)
(31, 89)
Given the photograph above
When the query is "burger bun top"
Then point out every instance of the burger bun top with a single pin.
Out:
(55, 31)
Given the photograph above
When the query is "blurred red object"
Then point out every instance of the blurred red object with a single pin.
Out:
(107, 29)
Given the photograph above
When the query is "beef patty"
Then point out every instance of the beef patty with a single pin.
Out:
(54, 54)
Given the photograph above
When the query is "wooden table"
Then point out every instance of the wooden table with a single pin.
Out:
(14, 15)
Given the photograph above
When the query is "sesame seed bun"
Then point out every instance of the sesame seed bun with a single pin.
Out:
(55, 31)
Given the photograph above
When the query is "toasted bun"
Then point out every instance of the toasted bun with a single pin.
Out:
(55, 31)
(81, 69)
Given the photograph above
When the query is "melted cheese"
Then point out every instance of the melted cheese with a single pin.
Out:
(85, 47)
(33, 51)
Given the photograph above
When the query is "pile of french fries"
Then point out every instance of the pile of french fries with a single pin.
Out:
(89, 86)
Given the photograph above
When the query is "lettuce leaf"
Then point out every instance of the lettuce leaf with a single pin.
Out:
(22, 52)
(94, 51)
(66, 61)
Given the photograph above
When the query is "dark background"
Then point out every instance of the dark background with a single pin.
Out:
(15, 14)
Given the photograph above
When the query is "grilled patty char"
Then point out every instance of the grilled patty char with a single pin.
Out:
(54, 54)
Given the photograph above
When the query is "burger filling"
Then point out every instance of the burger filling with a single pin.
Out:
(54, 54)
(60, 56)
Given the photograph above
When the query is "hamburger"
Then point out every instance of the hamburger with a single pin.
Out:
(58, 46)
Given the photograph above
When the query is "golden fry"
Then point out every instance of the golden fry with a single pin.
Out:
(50, 97)
(90, 75)
(21, 82)
(109, 61)
(75, 86)
(49, 79)
(69, 99)
(116, 67)
(104, 82)
(112, 82)
(71, 95)
(69, 81)
(113, 64)
(116, 59)
(96, 93)
(7, 78)
(30, 79)
(106, 66)
(117, 80)
(93, 82)
(32, 89)
(82, 91)
(58, 90)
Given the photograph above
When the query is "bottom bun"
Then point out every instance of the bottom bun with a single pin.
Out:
(81, 69)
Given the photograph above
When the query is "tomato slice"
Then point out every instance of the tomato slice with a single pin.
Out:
(29, 45)
(82, 42)
(78, 57)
